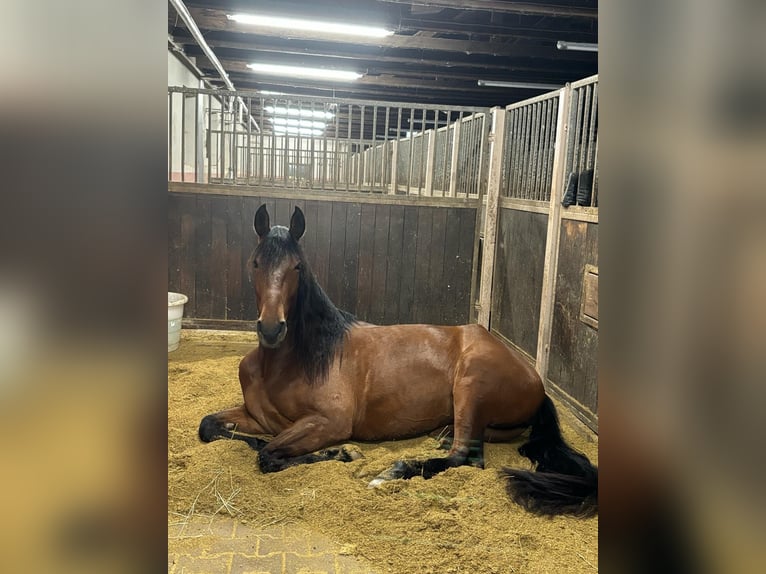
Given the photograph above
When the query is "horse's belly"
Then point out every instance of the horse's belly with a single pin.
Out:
(409, 410)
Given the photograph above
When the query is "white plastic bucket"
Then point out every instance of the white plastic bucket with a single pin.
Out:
(176, 302)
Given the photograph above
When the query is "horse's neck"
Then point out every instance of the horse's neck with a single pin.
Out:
(275, 362)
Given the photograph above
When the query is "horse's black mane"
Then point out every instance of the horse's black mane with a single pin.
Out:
(315, 326)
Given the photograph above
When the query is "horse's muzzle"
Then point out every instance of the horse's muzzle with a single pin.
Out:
(271, 335)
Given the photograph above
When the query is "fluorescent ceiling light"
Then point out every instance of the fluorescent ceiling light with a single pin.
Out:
(522, 85)
(310, 25)
(319, 114)
(289, 130)
(578, 46)
(299, 72)
(297, 123)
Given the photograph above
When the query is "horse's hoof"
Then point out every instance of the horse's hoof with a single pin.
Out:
(351, 452)
(209, 429)
(398, 470)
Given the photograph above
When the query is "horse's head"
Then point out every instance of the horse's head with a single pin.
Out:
(275, 270)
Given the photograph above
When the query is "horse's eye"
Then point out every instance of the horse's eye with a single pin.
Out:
(298, 267)
(255, 264)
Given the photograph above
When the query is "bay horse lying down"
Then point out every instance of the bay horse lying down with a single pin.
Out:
(319, 377)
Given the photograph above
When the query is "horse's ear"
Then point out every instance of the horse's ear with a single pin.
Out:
(297, 224)
(261, 223)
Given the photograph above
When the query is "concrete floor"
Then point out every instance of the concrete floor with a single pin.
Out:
(222, 545)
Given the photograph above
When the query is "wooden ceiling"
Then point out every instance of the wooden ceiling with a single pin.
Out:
(438, 52)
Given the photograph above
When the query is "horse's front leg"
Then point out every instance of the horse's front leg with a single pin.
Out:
(231, 424)
(301, 444)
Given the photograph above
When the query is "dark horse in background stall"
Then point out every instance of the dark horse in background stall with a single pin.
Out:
(319, 377)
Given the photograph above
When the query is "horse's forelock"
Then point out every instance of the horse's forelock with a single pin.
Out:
(277, 245)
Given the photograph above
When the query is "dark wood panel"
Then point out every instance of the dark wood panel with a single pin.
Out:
(394, 270)
(203, 248)
(174, 244)
(422, 254)
(249, 240)
(409, 263)
(464, 266)
(379, 264)
(310, 236)
(574, 344)
(351, 258)
(436, 283)
(366, 246)
(384, 263)
(337, 253)
(450, 309)
(518, 277)
(235, 215)
(219, 258)
(322, 247)
(187, 253)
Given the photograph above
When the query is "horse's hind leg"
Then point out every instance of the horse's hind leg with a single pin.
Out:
(467, 447)
(231, 424)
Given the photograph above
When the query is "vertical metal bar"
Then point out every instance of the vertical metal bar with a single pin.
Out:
(574, 138)
(522, 151)
(273, 151)
(385, 174)
(512, 151)
(475, 152)
(594, 194)
(582, 134)
(348, 147)
(545, 170)
(592, 128)
(335, 155)
(455, 153)
(423, 149)
(209, 136)
(508, 155)
(446, 162)
(261, 141)
(324, 164)
(183, 137)
(196, 138)
(374, 144)
(519, 149)
(170, 136)
(412, 149)
(360, 155)
(535, 150)
(236, 112)
(249, 159)
(395, 152)
(221, 146)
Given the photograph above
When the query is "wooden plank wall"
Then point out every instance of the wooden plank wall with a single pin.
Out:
(573, 364)
(518, 277)
(385, 263)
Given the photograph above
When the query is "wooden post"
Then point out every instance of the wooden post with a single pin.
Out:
(497, 147)
(552, 238)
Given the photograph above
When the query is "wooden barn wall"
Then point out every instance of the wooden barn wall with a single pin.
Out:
(518, 277)
(384, 263)
(573, 363)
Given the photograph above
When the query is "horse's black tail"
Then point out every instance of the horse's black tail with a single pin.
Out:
(565, 482)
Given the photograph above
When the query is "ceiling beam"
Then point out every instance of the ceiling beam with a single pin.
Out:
(216, 20)
(506, 7)
(413, 68)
